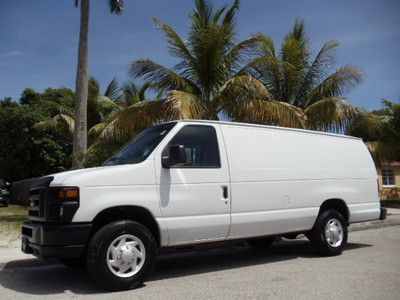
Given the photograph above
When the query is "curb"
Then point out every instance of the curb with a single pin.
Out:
(374, 225)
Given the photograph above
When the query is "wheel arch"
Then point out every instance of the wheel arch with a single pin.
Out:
(127, 212)
(337, 204)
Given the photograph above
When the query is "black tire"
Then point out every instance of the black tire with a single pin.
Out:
(318, 238)
(261, 243)
(79, 262)
(96, 257)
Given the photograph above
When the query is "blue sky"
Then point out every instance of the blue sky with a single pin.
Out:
(38, 39)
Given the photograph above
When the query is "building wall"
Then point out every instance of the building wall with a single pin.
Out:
(390, 192)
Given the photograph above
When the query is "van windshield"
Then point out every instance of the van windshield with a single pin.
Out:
(141, 146)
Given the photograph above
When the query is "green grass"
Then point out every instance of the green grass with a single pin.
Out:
(391, 203)
(11, 218)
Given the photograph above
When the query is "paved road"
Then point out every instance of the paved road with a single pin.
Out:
(368, 269)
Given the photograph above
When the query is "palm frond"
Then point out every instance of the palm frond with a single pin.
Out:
(323, 60)
(142, 91)
(182, 105)
(295, 52)
(229, 17)
(267, 45)
(366, 125)
(382, 151)
(330, 114)
(176, 45)
(298, 31)
(337, 84)
(201, 15)
(244, 50)
(61, 123)
(178, 105)
(160, 77)
(106, 106)
(112, 90)
(95, 131)
(266, 112)
(270, 71)
(242, 88)
(218, 13)
(93, 88)
(116, 6)
(138, 116)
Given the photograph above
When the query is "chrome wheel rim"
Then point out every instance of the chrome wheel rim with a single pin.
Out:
(126, 256)
(334, 233)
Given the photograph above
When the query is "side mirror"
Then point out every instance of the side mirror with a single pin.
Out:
(176, 154)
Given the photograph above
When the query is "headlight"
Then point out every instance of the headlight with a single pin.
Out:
(62, 203)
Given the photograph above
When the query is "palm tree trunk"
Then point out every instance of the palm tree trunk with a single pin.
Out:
(80, 133)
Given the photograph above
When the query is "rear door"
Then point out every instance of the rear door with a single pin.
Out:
(194, 197)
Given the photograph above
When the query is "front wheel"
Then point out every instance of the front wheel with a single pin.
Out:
(329, 234)
(121, 255)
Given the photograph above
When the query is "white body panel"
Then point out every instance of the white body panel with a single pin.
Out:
(191, 199)
(276, 178)
(280, 178)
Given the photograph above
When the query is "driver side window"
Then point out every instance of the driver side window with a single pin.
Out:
(201, 146)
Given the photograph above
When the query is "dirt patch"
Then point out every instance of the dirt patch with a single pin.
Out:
(11, 218)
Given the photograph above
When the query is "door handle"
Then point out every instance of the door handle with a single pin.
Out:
(224, 192)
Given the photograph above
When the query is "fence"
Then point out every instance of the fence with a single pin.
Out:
(19, 191)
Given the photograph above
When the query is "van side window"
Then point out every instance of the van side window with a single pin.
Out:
(201, 146)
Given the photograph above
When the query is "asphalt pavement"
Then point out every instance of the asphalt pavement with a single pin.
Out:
(368, 269)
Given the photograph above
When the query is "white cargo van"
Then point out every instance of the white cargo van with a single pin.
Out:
(191, 182)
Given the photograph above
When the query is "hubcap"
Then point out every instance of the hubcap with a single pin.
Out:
(334, 233)
(126, 255)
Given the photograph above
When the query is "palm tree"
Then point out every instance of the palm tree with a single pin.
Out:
(294, 77)
(101, 108)
(206, 82)
(380, 130)
(80, 132)
(132, 93)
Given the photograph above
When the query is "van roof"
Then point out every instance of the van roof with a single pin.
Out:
(267, 126)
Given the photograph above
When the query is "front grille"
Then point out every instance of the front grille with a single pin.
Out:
(52, 194)
(27, 231)
(45, 205)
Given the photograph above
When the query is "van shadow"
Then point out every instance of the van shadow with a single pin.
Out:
(57, 279)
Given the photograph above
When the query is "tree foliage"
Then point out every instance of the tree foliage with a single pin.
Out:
(206, 81)
(294, 76)
(26, 152)
(380, 129)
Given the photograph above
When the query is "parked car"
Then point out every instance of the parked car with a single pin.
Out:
(190, 182)
(4, 193)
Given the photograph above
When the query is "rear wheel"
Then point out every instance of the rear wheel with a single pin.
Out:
(261, 243)
(121, 255)
(329, 234)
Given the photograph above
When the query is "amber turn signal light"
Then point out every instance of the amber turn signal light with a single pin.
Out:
(68, 193)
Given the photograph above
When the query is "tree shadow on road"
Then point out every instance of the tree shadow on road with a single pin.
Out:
(57, 279)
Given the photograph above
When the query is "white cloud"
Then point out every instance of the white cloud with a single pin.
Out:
(13, 53)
